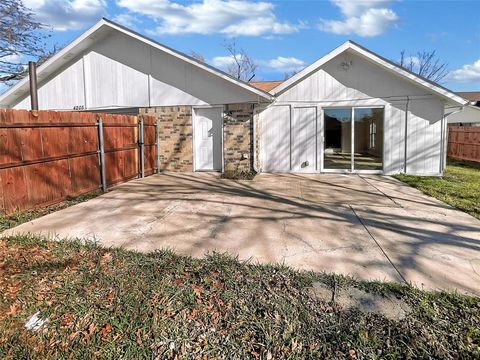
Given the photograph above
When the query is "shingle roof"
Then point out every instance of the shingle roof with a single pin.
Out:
(469, 95)
(266, 85)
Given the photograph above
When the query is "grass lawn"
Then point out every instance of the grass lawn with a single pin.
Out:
(106, 303)
(17, 218)
(459, 187)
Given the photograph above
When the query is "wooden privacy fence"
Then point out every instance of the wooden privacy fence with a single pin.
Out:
(46, 155)
(464, 143)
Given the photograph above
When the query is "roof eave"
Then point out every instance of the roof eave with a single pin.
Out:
(105, 22)
(385, 63)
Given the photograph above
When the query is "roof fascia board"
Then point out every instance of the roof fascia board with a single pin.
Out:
(309, 69)
(377, 59)
(409, 75)
(55, 57)
(105, 22)
(189, 60)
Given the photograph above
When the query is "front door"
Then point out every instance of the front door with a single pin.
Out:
(207, 125)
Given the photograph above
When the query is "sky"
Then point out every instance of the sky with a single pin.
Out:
(285, 36)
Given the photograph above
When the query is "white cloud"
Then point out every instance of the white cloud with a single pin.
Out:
(12, 59)
(229, 17)
(127, 20)
(64, 15)
(466, 74)
(283, 64)
(278, 65)
(414, 60)
(223, 61)
(364, 18)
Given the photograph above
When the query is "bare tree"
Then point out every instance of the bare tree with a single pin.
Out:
(288, 74)
(242, 67)
(426, 64)
(197, 56)
(20, 36)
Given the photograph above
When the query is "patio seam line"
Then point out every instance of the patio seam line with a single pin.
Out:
(380, 191)
(376, 242)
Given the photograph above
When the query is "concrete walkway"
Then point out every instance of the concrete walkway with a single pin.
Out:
(372, 227)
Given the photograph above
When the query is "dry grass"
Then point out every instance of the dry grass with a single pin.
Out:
(105, 303)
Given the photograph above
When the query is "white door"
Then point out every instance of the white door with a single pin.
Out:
(207, 124)
(304, 139)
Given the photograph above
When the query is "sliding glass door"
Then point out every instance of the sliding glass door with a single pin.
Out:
(337, 127)
(353, 139)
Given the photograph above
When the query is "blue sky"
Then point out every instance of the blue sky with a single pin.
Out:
(287, 35)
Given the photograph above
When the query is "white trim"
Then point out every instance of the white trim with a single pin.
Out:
(41, 69)
(194, 114)
(349, 45)
(107, 23)
(352, 169)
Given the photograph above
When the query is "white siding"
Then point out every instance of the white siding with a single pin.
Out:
(366, 84)
(304, 139)
(62, 92)
(119, 86)
(424, 134)
(123, 72)
(275, 139)
(363, 80)
(394, 138)
(470, 114)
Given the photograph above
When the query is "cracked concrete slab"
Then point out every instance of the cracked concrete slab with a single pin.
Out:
(371, 227)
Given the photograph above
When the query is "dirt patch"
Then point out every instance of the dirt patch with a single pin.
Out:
(368, 303)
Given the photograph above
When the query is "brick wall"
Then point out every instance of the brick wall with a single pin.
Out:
(176, 153)
(238, 137)
(176, 139)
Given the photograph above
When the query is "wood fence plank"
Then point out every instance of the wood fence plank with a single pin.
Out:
(464, 143)
(43, 164)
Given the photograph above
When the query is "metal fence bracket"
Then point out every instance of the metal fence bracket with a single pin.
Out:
(157, 145)
(101, 151)
(141, 144)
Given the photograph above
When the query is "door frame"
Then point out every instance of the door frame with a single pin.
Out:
(352, 169)
(194, 114)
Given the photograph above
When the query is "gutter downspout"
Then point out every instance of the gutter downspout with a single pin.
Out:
(254, 134)
(406, 137)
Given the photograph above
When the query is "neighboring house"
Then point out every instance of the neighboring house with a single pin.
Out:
(472, 96)
(351, 111)
(470, 116)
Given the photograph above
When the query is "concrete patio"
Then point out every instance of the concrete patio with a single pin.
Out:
(371, 227)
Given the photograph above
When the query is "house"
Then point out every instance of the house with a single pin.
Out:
(352, 111)
(470, 116)
(472, 96)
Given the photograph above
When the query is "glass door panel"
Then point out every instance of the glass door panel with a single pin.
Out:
(368, 139)
(337, 149)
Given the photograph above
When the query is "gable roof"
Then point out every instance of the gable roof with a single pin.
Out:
(96, 33)
(266, 85)
(473, 96)
(379, 60)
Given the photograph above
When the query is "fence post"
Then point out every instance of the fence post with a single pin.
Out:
(101, 151)
(142, 147)
(157, 145)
